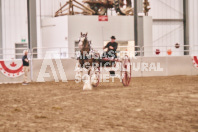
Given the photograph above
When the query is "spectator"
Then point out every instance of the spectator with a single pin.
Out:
(25, 67)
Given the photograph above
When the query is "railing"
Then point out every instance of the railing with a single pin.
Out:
(194, 50)
(166, 50)
(65, 52)
(55, 52)
(12, 53)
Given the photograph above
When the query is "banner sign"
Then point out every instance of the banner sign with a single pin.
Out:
(11, 68)
(102, 18)
(195, 61)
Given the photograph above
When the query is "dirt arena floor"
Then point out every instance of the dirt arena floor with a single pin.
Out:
(153, 104)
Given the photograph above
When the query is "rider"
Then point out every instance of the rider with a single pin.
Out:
(112, 47)
(111, 52)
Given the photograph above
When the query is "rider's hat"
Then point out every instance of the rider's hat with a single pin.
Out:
(113, 37)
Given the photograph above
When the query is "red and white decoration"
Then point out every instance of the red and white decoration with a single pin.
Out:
(102, 18)
(195, 61)
(11, 68)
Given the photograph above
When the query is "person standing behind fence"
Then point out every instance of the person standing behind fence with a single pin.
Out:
(25, 67)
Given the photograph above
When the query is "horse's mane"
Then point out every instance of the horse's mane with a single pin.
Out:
(85, 41)
(84, 44)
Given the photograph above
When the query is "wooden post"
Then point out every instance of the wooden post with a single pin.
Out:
(61, 8)
(84, 6)
(83, 9)
(70, 9)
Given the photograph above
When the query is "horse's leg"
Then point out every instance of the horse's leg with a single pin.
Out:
(89, 70)
(80, 67)
(87, 81)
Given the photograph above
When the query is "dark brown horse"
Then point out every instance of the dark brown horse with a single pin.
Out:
(92, 61)
(87, 59)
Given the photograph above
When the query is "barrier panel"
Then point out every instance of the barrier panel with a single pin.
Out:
(156, 66)
(11, 71)
(53, 70)
(64, 69)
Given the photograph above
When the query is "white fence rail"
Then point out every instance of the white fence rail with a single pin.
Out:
(65, 52)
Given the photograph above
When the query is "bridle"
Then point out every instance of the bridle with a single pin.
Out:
(85, 45)
(82, 42)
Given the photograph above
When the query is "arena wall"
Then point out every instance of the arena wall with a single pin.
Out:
(65, 31)
(64, 69)
(39, 66)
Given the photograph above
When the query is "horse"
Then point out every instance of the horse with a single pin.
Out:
(92, 61)
(88, 60)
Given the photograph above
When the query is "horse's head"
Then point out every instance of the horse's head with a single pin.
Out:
(83, 43)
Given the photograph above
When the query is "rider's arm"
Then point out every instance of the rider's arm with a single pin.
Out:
(116, 46)
(106, 46)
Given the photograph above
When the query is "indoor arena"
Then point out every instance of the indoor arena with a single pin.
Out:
(98, 65)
